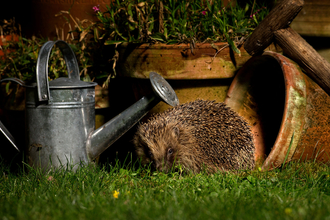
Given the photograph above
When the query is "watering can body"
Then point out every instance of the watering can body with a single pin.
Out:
(60, 115)
(57, 130)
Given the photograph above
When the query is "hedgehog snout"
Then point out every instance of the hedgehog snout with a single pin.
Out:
(160, 167)
(163, 165)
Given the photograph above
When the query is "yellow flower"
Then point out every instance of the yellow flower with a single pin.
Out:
(115, 194)
(288, 211)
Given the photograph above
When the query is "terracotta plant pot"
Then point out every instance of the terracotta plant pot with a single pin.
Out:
(287, 111)
(178, 61)
(192, 74)
(5, 39)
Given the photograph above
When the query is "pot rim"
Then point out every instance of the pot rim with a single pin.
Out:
(172, 46)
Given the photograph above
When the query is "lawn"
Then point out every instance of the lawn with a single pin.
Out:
(297, 191)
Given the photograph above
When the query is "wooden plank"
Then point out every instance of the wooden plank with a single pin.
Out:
(316, 29)
(302, 53)
(314, 19)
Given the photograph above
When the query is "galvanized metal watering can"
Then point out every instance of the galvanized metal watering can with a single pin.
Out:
(60, 114)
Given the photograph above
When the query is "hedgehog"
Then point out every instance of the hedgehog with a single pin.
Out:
(196, 136)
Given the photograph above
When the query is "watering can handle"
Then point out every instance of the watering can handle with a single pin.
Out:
(42, 66)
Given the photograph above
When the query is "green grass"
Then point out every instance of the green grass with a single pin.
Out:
(298, 191)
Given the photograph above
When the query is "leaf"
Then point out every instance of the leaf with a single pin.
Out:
(96, 34)
(242, 30)
(103, 35)
(246, 7)
(141, 4)
(24, 62)
(232, 45)
(214, 194)
(87, 78)
(158, 36)
(111, 42)
(105, 75)
(157, 39)
(7, 87)
(251, 179)
(214, 46)
(172, 41)
(74, 47)
(129, 10)
(255, 19)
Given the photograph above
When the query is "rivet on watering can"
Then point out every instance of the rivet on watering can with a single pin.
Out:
(44, 96)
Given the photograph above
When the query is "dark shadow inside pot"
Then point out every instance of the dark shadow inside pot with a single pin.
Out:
(258, 94)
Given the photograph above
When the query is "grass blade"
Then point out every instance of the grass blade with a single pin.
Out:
(287, 153)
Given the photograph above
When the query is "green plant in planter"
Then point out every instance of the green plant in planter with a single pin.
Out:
(20, 57)
(172, 21)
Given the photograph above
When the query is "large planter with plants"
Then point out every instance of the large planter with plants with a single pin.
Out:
(204, 72)
(196, 46)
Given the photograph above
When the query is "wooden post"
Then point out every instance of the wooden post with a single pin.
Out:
(279, 17)
(301, 52)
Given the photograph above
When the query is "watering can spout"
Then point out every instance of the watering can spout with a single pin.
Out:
(102, 138)
(3, 129)
(7, 134)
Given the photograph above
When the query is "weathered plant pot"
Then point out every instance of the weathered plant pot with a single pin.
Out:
(179, 61)
(5, 39)
(192, 74)
(282, 104)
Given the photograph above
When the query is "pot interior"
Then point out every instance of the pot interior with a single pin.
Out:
(257, 93)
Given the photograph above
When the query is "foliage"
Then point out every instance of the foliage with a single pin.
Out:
(8, 27)
(171, 21)
(299, 191)
(20, 56)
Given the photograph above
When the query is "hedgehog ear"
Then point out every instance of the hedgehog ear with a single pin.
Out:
(176, 131)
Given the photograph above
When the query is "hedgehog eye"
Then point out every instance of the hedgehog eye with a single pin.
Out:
(150, 154)
(170, 151)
